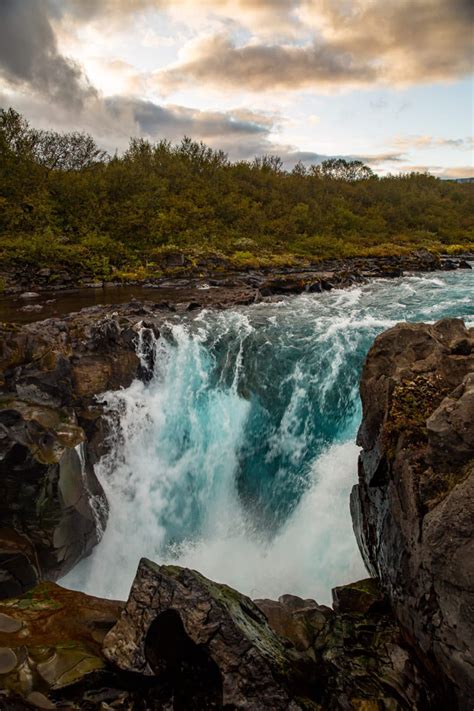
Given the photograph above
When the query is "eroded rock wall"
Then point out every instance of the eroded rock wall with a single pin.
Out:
(413, 508)
(53, 510)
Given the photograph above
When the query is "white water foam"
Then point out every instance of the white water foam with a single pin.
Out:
(172, 475)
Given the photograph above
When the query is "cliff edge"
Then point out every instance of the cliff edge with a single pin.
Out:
(413, 507)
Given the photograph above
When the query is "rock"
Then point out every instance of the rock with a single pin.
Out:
(57, 646)
(212, 642)
(8, 660)
(52, 501)
(53, 509)
(39, 700)
(184, 642)
(32, 307)
(463, 264)
(296, 620)
(414, 504)
(8, 624)
(449, 265)
(46, 272)
(363, 596)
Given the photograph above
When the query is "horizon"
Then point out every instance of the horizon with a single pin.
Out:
(390, 85)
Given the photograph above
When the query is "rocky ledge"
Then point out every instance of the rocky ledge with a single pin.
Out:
(180, 280)
(184, 642)
(53, 509)
(413, 508)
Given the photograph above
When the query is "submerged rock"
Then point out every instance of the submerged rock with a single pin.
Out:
(414, 505)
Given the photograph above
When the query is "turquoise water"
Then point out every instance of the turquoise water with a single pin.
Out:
(238, 457)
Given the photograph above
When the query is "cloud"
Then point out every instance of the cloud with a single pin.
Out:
(274, 16)
(291, 156)
(29, 54)
(439, 171)
(424, 142)
(218, 61)
(114, 120)
(353, 44)
(174, 122)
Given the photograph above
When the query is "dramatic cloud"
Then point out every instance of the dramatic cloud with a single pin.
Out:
(173, 122)
(29, 54)
(218, 61)
(125, 47)
(356, 43)
(114, 120)
(259, 15)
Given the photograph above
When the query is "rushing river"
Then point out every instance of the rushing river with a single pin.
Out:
(238, 457)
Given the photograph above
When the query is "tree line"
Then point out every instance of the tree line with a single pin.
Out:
(64, 201)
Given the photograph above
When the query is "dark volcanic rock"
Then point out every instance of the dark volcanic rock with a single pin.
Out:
(183, 642)
(413, 508)
(53, 510)
(213, 643)
(54, 643)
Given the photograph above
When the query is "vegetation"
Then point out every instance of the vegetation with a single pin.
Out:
(413, 402)
(64, 204)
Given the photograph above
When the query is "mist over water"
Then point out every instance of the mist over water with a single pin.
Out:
(237, 459)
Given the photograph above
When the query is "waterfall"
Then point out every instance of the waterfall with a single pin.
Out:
(237, 456)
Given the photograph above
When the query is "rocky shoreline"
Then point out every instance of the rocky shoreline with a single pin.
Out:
(216, 284)
(184, 642)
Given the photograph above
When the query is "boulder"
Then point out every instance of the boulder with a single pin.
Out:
(51, 642)
(184, 642)
(212, 643)
(413, 507)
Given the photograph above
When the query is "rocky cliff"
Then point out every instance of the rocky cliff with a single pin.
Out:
(413, 508)
(53, 510)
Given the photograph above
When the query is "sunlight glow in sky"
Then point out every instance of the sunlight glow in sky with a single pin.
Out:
(387, 81)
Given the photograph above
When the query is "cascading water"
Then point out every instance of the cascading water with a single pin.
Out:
(238, 457)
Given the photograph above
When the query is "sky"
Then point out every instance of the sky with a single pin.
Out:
(388, 82)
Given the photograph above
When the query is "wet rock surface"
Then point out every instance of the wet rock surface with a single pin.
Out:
(53, 510)
(414, 506)
(184, 642)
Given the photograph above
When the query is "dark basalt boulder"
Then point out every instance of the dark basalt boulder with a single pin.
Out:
(413, 507)
(213, 644)
(185, 643)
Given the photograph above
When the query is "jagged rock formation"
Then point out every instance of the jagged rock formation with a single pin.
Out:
(413, 508)
(53, 509)
(213, 643)
(184, 642)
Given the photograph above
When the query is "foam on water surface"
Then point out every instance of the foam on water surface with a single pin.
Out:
(237, 459)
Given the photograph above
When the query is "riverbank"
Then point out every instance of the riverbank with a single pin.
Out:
(34, 297)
